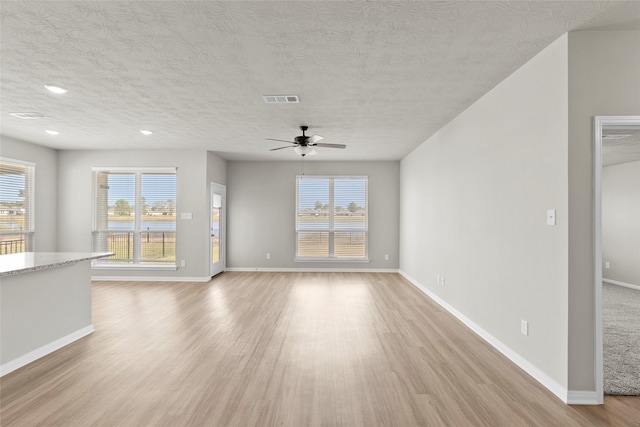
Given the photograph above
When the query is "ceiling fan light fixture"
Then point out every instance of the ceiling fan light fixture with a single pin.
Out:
(305, 145)
(303, 150)
(146, 132)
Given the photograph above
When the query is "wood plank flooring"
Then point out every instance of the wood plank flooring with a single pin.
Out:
(283, 349)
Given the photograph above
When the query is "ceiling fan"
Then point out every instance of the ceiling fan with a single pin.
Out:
(304, 145)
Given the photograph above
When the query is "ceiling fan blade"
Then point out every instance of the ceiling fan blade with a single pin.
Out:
(330, 145)
(314, 138)
(280, 148)
(281, 140)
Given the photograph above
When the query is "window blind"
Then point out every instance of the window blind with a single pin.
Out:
(17, 206)
(134, 215)
(331, 218)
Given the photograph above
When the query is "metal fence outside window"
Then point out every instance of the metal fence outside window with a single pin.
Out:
(13, 243)
(155, 247)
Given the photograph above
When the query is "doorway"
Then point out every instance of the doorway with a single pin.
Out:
(218, 217)
(617, 139)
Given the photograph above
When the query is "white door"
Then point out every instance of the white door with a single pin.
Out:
(218, 202)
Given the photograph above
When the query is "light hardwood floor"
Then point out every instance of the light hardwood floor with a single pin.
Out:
(283, 349)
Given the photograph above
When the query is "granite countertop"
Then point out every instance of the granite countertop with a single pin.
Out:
(25, 262)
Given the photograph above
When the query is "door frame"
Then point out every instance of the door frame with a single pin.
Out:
(598, 123)
(222, 189)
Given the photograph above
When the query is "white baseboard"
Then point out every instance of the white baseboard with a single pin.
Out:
(315, 270)
(207, 278)
(552, 385)
(583, 398)
(21, 361)
(626, 285)
(149, 279)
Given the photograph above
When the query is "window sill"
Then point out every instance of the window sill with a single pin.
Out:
(339, 260)
(133, 267)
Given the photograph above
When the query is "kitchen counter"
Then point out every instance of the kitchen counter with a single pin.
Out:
(45, 304)
(33, 261)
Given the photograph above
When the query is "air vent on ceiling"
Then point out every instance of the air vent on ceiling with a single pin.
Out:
(281, 99)
(28, 115)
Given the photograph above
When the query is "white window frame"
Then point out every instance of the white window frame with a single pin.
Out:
(331, 230)
(137, 263)
(29, 229)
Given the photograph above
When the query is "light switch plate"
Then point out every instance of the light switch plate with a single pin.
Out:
(524, 327)
(551, 217)
(186, 215)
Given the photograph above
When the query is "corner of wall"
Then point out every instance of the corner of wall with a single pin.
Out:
(603, 80)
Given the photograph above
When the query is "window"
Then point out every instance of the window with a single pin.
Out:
(17, 206)
(134, 215)
(331, 218)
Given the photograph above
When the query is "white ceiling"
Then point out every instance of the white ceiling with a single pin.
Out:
(379, 76)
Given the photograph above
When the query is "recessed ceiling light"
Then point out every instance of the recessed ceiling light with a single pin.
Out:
(146, 132)
(52, 132)
(55, 89)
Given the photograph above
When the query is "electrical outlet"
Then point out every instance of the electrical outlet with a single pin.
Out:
(607, 264)
(268, 255)
(437, 279)
(183, 263)
(442, 280)
(386, 257)
(524, 327)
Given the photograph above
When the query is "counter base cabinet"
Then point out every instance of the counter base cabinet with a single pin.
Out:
(42, 311)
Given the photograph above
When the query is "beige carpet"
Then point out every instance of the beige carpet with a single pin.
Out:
(621, 349)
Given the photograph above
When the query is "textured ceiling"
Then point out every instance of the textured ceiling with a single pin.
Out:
(379, 76)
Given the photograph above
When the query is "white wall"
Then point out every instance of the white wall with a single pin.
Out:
(46, 188)
(472, 208)
(216, 169)
(216, 172)
(621, 222)
(74, 220)
(604, 79)
(261, 213)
